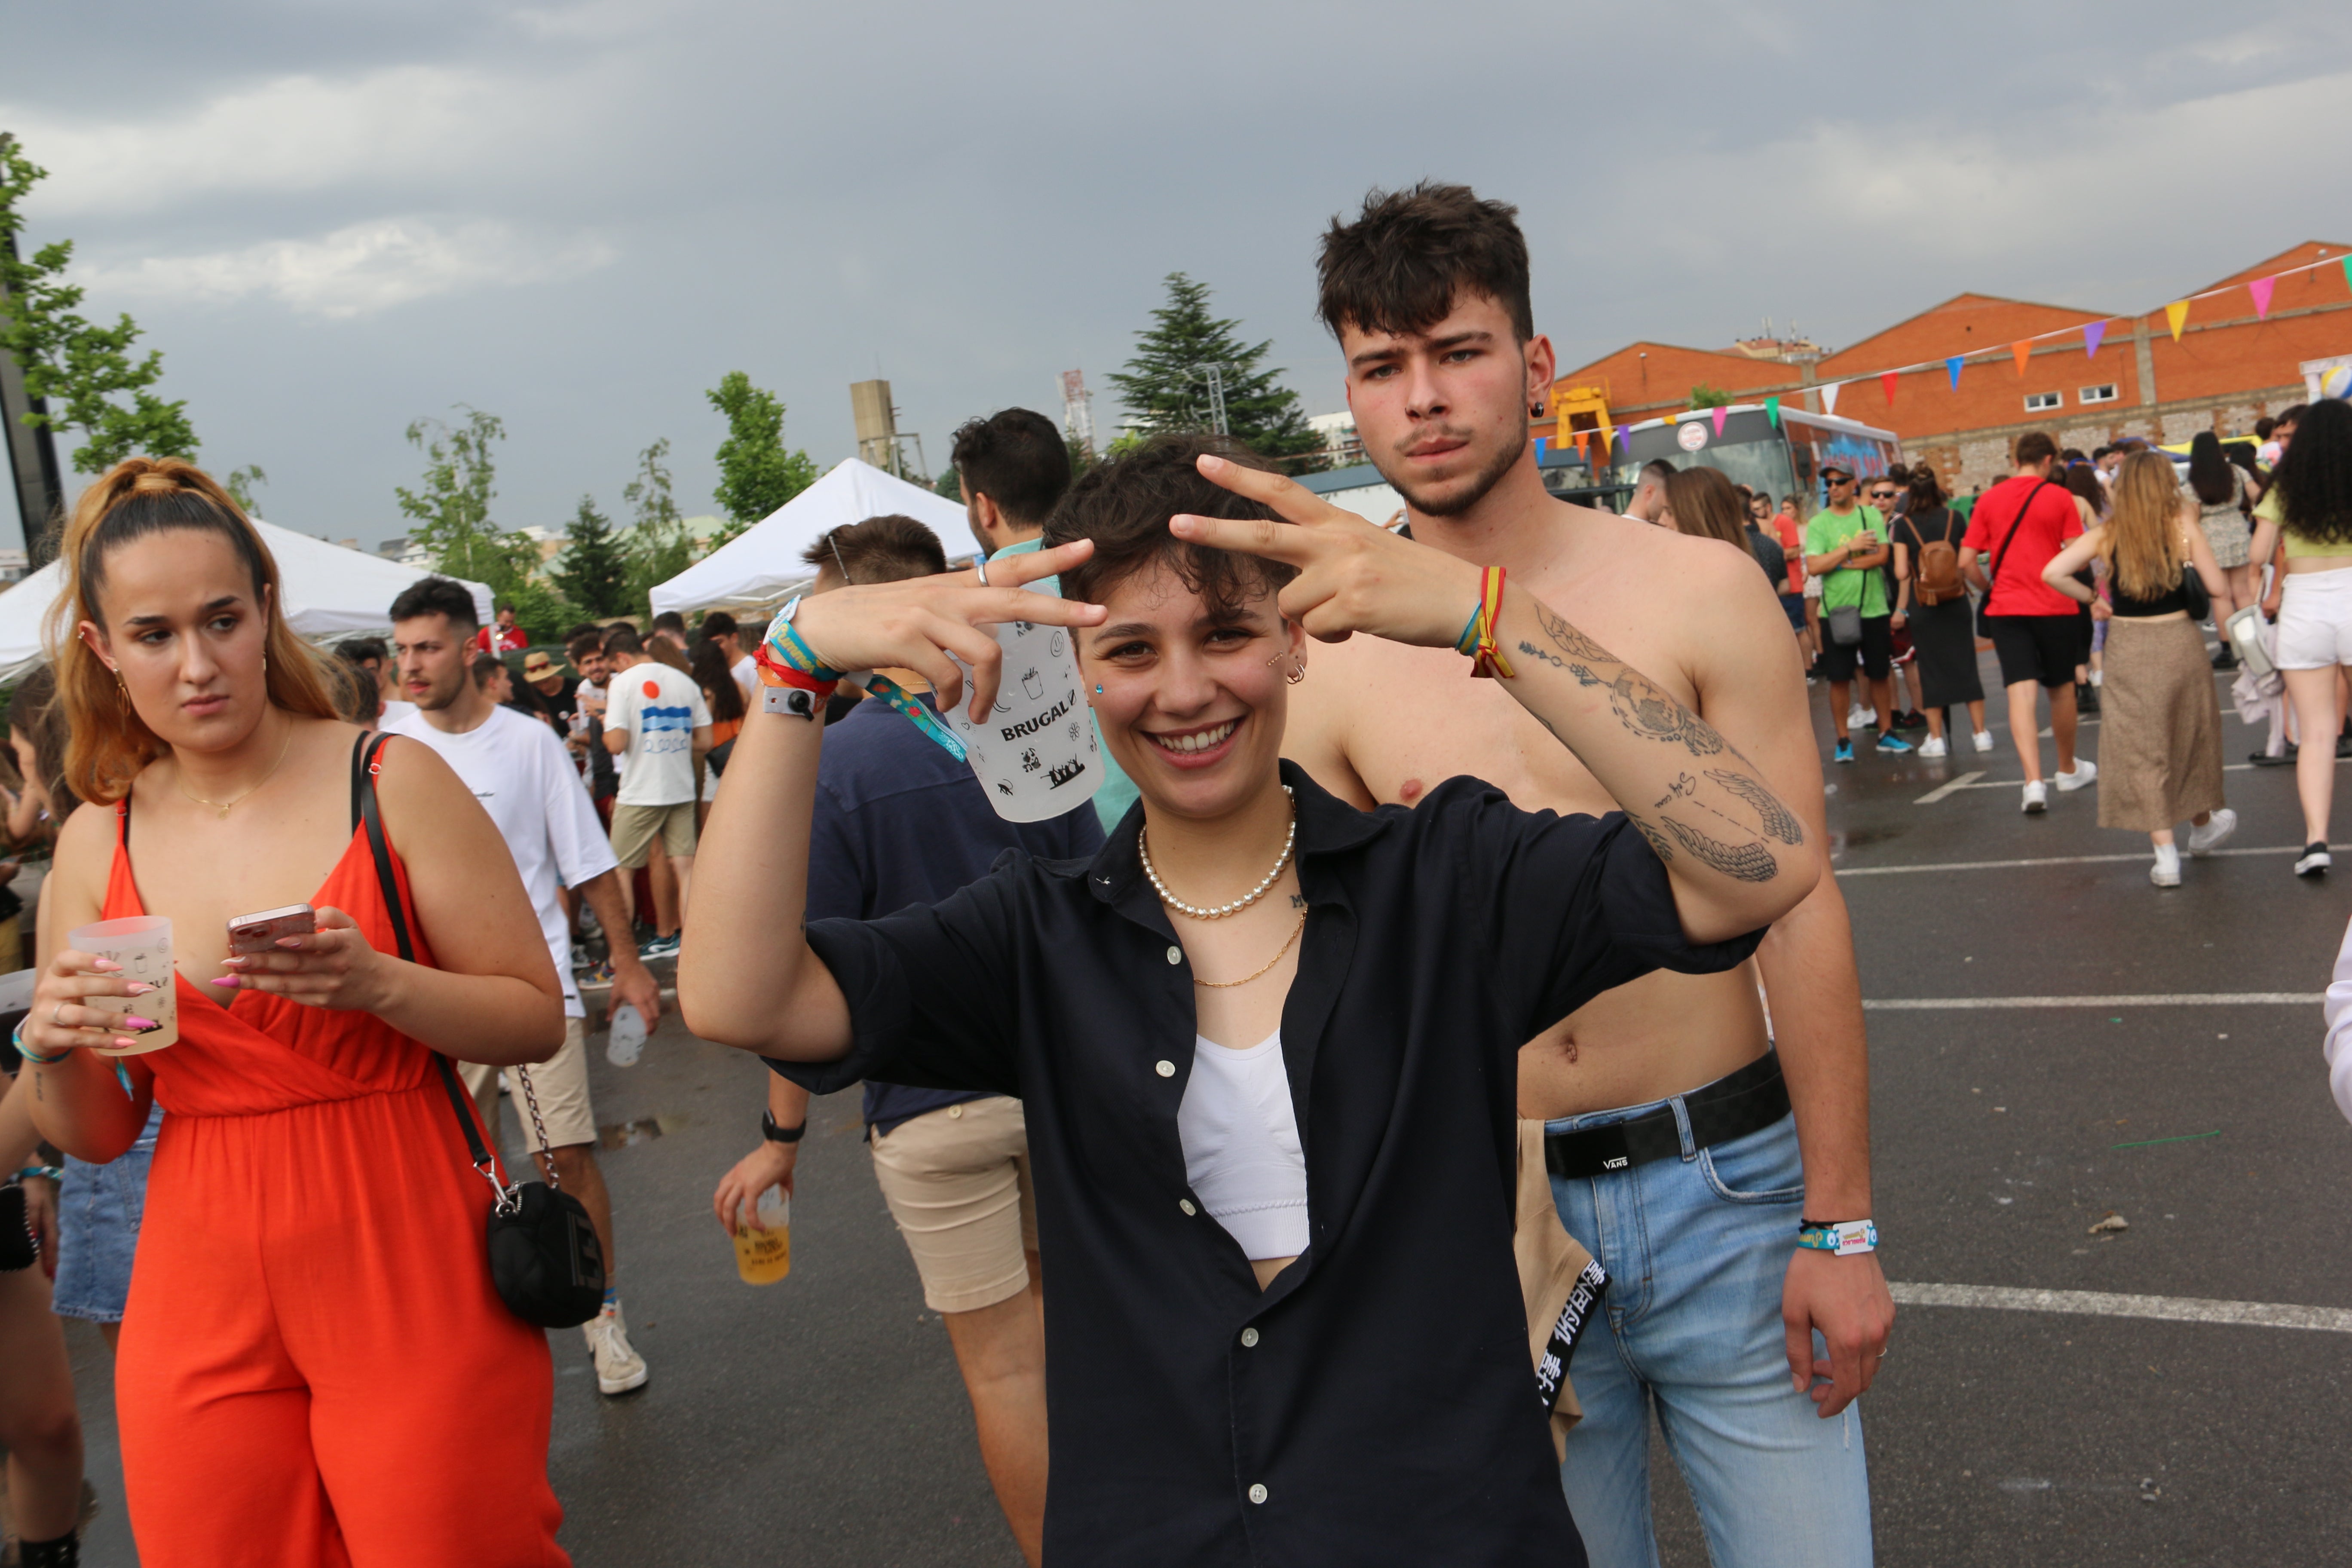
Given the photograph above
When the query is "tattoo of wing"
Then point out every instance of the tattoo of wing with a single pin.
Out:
(1549, 657)
(1742, 862)
(1571, 642)
(1658, 844)
(1779, 822)
(1647, 709)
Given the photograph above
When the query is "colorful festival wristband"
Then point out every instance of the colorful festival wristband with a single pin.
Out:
(1487, 660)
(1845, 1237)
(16, 1038)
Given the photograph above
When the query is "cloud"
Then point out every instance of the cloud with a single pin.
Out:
(359, 269)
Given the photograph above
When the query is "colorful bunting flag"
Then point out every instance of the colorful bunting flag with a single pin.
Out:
(2177, 314)
(1953, 365)
(2347, 259)
(1773, 405)
(1719, 414)
(1886, 384)
(1829, 396)
(2261, 290)
(2023, 350)
(2093, 334)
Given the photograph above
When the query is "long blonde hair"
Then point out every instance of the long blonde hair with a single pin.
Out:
(2142, 546)
(107, 743)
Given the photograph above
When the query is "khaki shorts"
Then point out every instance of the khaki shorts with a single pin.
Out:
(560, 1086)
(633, 828)
(957, 1181)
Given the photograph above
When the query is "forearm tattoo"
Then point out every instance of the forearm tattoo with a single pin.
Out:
(1730, 796)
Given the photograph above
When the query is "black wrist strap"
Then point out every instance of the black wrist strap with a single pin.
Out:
(776, 1134)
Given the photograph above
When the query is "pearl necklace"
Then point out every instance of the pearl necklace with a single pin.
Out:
(1143, 846)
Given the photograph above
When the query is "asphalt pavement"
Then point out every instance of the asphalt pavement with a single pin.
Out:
(820, 1420)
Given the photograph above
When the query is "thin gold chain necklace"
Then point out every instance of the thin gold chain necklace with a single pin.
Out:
(222, 806)
(1229, 984)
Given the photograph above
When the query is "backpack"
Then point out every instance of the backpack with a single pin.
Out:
(1936, 575)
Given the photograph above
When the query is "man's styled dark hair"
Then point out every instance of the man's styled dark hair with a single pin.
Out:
(2098, 452)
(621, 637)
(359, 650)
(1124, 506)
(581, 644)
(671, 621)
(2035, 446)
(437, 597)
(887, 549)
(484, 668)
(2263, 426)
(1656, 468)
(1400, 267)
(1017, 458)
(718, 624)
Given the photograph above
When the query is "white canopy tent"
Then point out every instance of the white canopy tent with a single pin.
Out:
(331, 592)
(760, 568)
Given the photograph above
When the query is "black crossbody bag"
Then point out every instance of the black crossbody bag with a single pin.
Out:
(1993, 578)
(545, 1261)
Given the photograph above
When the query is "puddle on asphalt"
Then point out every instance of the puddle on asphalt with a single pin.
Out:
(644, 1130)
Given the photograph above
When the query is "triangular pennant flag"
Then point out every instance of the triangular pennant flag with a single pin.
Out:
(2261, 290)
(1608, 441)
(2347, 259)
(1719, 414)
(2177, 314)
(1953, 365)
(1772, 411)
(2096, 333)
(2023, 350)
(1584, 446)
(1886, 384)
(1829, 396)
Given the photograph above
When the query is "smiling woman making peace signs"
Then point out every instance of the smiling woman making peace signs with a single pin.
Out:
(1266, 1043)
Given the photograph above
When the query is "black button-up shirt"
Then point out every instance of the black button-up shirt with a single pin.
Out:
(1376, 1403)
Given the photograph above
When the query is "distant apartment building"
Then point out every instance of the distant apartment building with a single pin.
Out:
(405, 551)
(2230, 365)
(1341, 441)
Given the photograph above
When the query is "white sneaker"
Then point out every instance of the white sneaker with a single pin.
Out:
(2314, 862)
(2214, 834)
(1984, 740)
(1855, 718)
(1933, 746)
(619, 1368)
(2037, 797)
(2085, 772)
(2166, 872)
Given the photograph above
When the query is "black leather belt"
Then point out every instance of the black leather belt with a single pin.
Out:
(1731, 1107)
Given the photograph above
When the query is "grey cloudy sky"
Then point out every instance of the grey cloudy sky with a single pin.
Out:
(334, 217)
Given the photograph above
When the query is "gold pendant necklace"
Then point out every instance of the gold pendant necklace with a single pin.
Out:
(222, 806)
(1229, 984)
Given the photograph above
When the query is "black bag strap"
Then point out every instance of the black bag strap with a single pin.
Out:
(1992, 579)
(363, 811)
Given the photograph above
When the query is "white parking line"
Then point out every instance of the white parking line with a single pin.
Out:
(2104, 1304)
(1844, 872)
(1940, 791)
(2176, 999)
(2019, 784)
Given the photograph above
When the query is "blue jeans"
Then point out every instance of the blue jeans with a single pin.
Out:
(99, 1211)
(1696, 1249)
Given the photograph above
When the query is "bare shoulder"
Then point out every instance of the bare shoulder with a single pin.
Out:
(85, 849)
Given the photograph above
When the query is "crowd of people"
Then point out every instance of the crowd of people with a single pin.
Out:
(1298, 1047)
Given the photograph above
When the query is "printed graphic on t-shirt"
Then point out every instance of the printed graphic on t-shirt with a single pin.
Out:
(665, 729)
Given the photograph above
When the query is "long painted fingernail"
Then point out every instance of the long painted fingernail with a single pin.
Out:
(236, 961)
(230, 982)
(140, 1024)
(105, 963)
(289, 942)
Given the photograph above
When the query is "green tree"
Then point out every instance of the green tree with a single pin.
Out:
(1166, 384)
(1705, 397)
(84, 373)
(756, 474)
(544, 613)
(657, 547)
(594, 570)
(240, 482)
(449, 512)
(950, 483)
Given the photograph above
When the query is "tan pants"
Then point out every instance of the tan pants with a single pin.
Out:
(560, 1085)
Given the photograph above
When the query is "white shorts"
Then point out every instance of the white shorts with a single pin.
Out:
(2315, 620)
(560, 1085)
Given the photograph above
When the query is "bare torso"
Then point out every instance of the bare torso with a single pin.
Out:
(1379, 722)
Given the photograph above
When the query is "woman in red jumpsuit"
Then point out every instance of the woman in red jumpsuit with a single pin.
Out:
(314, 1367)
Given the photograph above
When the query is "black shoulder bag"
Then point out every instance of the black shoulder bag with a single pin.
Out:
(1993, 578)
(544, 1257)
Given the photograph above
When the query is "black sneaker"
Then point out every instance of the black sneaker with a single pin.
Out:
(2086, 698)
(1914, 720)
(2227, 659)
(2315, 860)
(2264, 759)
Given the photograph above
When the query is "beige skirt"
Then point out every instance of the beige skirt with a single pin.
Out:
(2160, 726)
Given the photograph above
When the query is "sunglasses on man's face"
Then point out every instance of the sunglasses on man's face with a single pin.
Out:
(1881, 495)
(1836, 479)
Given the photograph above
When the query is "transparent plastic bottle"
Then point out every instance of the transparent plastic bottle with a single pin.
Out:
(765, 1256)
(628, 1036)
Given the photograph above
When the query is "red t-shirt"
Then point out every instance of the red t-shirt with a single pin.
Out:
(510, 640)
(2051, 521)
(1792, 542)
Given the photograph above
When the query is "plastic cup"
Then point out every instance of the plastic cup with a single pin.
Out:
(142, 945)
(764, 1256)
(1036, 754)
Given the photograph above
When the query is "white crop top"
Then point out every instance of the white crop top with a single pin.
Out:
(1241, 1146)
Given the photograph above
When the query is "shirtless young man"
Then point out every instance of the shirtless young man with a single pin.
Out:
(1714, 1307)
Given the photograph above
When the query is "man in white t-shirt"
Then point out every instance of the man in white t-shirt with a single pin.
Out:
(518, 770)
(719, 628)
(657, 723)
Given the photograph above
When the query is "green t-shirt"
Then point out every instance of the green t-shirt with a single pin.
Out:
(1861, 585)
(1117, 791)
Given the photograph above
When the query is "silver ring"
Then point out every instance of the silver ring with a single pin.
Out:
(55, 1019)
(980, 565)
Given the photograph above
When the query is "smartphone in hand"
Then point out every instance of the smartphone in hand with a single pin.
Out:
(254, 933)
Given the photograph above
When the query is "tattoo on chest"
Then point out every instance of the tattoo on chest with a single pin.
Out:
(1298, 901)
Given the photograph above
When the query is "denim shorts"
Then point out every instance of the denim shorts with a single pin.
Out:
(99, 1209)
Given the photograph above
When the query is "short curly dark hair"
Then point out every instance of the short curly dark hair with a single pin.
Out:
(1124, 505)
(2315, 478)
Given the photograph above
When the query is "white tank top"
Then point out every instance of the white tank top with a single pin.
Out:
(1241, 1146)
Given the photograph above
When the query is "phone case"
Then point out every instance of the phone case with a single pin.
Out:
(259, 932)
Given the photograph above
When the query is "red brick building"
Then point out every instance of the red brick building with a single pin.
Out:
(2230, 365)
